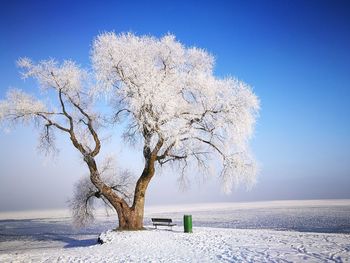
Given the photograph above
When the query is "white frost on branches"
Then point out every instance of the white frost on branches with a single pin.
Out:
(70, 112)
(19, 106)
(166, 93)
(170, 95)
(68, 76)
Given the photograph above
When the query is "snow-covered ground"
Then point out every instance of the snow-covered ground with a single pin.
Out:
(203, 245)
(226, 232)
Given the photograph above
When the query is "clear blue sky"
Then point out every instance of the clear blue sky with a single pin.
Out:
(296, 55)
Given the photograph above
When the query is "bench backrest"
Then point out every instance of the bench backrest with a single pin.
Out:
(162, 220)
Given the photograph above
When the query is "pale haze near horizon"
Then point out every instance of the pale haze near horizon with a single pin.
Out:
(299, 68)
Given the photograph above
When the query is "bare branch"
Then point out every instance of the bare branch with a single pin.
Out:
(212, 145)
(64, 110)
(50, 122)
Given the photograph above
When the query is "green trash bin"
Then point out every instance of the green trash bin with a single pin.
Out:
(187, 223)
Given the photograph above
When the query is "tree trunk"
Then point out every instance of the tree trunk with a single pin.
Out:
(130, 218)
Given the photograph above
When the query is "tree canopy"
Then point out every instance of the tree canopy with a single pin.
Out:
(169, 94)
(167, 99)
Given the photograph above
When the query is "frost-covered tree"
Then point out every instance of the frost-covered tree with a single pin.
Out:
(168, 100)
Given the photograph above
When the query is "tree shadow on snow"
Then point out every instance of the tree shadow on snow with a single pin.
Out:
(41, 230)
(70, 241)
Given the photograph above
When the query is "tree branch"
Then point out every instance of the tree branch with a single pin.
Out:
(212, 145)
(50, 122)
(166, 152)
(64, 110)
(89, 125)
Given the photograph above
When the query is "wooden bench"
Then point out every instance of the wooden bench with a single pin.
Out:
(163, 222)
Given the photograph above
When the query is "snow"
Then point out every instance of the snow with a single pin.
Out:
(220, 234)
(203, 245)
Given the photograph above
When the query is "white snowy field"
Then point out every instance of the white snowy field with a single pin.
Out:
(281, 231)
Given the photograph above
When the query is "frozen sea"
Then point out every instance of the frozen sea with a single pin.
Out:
(323, 225)
(319, 216)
